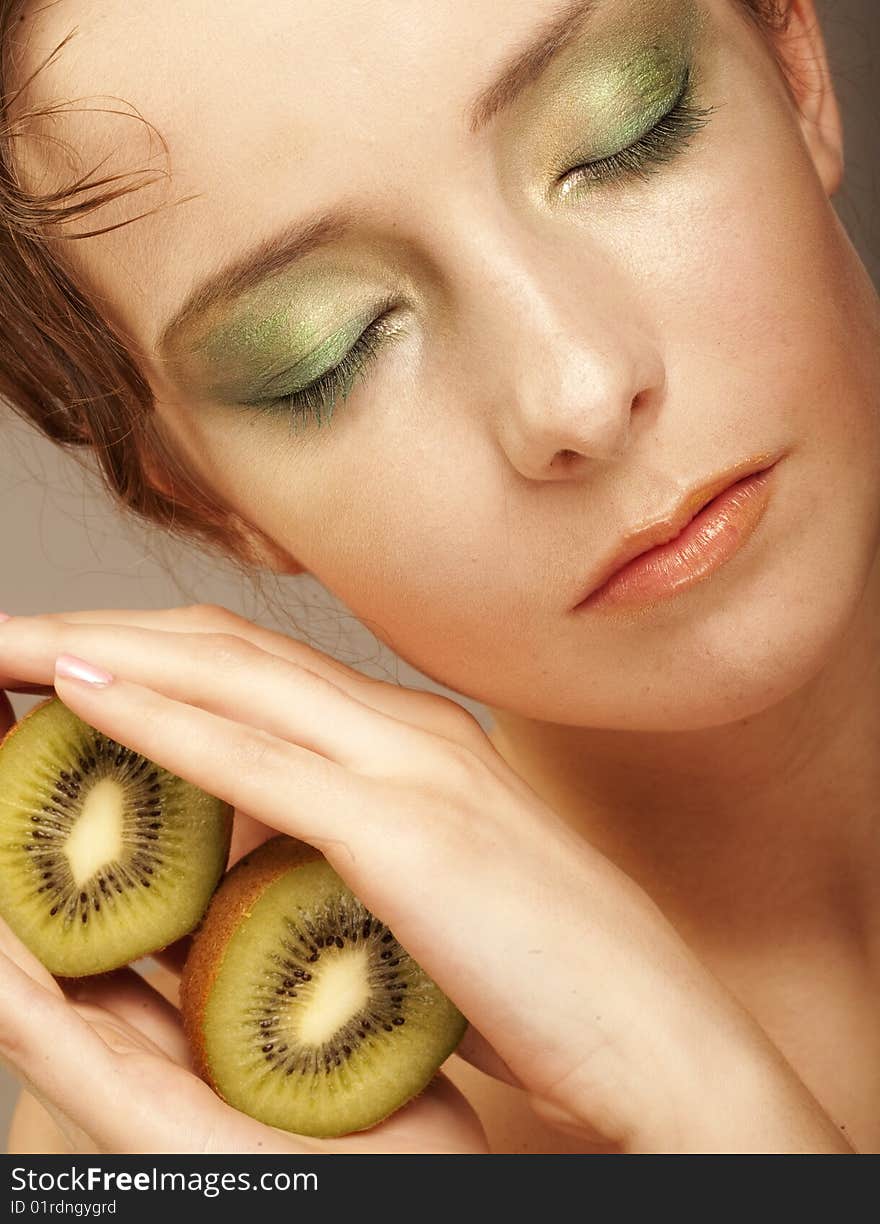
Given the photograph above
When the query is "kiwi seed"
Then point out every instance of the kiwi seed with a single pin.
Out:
(301, 1007)
(104, 856)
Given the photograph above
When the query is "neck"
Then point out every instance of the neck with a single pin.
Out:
(760, 832)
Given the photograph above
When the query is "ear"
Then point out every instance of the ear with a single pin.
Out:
(804, 58)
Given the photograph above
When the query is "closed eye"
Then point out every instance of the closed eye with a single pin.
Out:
(318, 398)
(663, 142)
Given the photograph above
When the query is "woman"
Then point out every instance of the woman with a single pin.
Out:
(462, 308)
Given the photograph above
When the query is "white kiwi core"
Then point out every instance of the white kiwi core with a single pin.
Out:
(338, 992)
(96, 837)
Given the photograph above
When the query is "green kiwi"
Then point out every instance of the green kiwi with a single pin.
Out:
(104, 856)
(301, 1008)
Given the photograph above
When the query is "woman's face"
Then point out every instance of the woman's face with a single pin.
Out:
(560, 358)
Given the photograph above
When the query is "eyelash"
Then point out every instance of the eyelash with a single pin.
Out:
(664, 141)
(319, 398)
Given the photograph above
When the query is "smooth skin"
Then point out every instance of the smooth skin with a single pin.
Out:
(405, 796)
(676, 808)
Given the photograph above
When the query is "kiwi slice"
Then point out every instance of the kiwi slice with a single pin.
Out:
(104, 855)
(301, 1008)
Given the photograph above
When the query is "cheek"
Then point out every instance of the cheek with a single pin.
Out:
(765, 300)
(771, 331)
(208, 442)
(408, 537)
(409, 532)
(771, 327)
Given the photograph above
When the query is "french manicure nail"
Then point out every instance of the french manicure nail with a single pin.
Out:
(72, 668)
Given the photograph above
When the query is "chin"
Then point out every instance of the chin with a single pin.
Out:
(757, 632)
(725, 651)
(735, 652)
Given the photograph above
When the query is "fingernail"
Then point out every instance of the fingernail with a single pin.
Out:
(4, 616)
(72, 668)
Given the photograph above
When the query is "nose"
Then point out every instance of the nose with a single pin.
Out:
(560, 355)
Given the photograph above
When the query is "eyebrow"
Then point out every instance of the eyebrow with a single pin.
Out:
(526, 65)
(300, 238)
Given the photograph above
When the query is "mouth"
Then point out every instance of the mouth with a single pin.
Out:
(658, 532)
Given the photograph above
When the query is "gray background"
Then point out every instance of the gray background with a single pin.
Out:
(62, 547)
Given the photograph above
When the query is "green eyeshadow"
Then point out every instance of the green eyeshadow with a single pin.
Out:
(617, 84)
(623, 79)
(281, 336)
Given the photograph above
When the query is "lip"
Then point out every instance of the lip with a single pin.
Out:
(662, 531)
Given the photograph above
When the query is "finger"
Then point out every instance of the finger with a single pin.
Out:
(296, 791)
(106, 1091)
(439, 1120)
(236, 680)
(18, 957)
(54, 1127)
(431, 711)
(124, 1099)
(17, 954)
(13, 948)
(124, 993)
(247, 834)
(129, 1020)
(35, 1130)
(476, 1050)
(38, 1029)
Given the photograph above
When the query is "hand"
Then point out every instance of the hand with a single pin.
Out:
(111, 1066)
(577, 988)
(115, 1038)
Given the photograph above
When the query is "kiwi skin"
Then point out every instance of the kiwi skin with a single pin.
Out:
(231, 905)
(239, 891)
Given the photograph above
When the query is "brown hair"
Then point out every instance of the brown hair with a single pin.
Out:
(68, 370)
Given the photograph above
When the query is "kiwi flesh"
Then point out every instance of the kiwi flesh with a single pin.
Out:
(301, 1008)
(104, 856)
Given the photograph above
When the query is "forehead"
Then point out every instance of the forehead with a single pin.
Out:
(269, 111)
